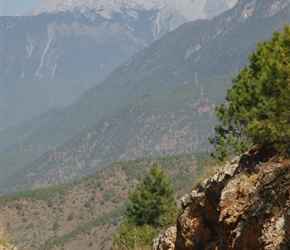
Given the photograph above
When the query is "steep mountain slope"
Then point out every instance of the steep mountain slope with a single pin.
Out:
(65, 47)
(239, 207)
(85, 213)
(158, 125)
(15, 134)
(203, 48)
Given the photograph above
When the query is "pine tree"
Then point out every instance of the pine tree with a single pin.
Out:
(258, 103)
(151, 206)
(152, 202)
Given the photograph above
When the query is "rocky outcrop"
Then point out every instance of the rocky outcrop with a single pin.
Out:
(165, 240)
(239, 207)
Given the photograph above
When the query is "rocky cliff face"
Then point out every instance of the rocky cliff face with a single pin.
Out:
(242, 206)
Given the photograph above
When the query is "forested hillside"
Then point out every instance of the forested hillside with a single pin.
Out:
(158, 125)
(85, 213)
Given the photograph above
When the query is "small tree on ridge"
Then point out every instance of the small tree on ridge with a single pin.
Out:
(258, 103)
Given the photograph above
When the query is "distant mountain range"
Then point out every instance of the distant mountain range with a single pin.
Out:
(62, 48)
(174, 10)
(158, 102)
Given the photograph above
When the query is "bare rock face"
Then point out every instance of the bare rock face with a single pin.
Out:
(246, 209)
(165, 241)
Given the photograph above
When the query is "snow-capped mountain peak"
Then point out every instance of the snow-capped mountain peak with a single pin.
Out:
(189, 9)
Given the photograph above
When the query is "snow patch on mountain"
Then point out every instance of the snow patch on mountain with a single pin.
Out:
(189, 9)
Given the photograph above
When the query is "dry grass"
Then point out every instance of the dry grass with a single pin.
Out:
(137, 246)
(56, 248)
(207, 172)
(3, 238)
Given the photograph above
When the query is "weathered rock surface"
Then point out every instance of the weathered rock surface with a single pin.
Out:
(165, 240)
(237, 208)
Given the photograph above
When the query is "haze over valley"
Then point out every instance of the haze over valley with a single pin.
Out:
(95, 92)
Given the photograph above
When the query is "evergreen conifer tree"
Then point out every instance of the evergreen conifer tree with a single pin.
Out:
(152, 202)
(151, 206)
(258, 103)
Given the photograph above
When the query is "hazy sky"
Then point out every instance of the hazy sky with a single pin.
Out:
(16, 7)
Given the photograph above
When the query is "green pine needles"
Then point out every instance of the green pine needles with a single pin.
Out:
(152, 206)
(258, 104)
